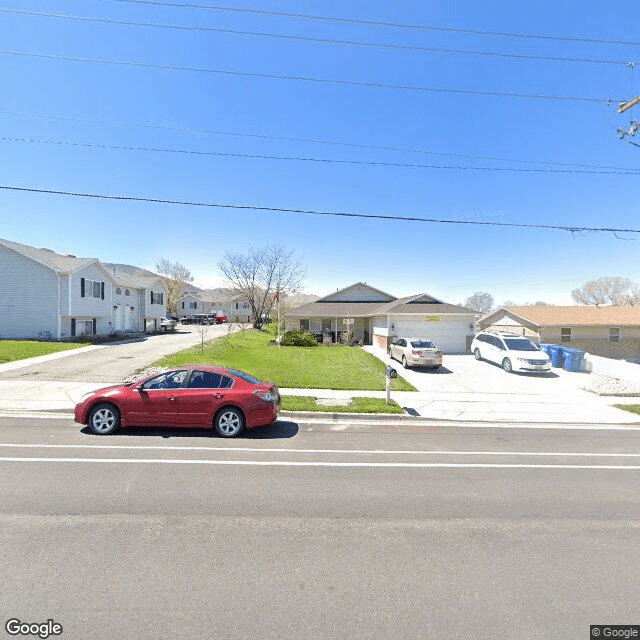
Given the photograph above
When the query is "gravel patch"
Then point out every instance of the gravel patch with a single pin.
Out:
(610, 386)
(145, 373)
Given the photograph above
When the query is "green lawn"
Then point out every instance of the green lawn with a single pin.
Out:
(633, 408)
(357, 405)
(11, 350)
(322, 367)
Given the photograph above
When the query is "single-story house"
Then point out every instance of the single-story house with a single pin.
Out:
(605, 331)
(376, 317)
(47, 295)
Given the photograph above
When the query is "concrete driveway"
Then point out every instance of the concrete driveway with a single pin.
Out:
(56, 382)
(466, 389)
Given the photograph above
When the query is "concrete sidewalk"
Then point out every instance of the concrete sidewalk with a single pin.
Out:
(37, 395)
(567, 404)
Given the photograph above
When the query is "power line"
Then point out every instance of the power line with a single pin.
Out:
(356, 43)
(373, 163)
(380, 23)
(351, 145)
(273, 76)
(240, 207)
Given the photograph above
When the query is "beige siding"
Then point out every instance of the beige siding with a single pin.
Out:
(596, 340)
(28, 297)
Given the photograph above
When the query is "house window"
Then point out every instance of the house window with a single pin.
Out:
(326, 326)
(193, 305)
(304, 325)
(127, 292)
(614, 334)
(91, 289)
(118, 291)
(156, 298)
(565, 334)
(183, 305)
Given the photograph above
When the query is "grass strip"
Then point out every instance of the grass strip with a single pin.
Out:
(355, 405)
(633, 408)
(11, 350)
(323, 367)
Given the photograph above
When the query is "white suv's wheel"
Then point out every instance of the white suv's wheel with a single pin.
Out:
(507, 366)
(476, 354)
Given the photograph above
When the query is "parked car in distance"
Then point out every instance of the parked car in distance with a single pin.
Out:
(221, 319)
(217, 398)
(168, 324)
(512, 352)
(416, 352)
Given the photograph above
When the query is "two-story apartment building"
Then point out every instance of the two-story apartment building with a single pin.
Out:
(44, 294)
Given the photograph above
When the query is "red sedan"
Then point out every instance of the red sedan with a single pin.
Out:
(190, 396)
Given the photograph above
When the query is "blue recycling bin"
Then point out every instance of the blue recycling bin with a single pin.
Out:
(555, 354)
(572, 359)
(544, 347)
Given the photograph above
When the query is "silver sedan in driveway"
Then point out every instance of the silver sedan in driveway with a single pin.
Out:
(416, 352)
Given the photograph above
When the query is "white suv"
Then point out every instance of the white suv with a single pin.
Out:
(512, 352)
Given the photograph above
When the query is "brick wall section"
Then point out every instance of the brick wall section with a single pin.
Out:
(626, 348)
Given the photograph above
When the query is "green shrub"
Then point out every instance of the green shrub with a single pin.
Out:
(299, 339)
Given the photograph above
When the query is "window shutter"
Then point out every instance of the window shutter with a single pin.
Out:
(81, 288)
(102, 290)
(162, 297)
(183, 305)
(151, 292)
(94, 326)
(73, 326)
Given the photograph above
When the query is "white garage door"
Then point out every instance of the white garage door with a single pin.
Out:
(447, 335)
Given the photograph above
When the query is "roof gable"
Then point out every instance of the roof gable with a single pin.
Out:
(358, 293)
(47, 257)
(577, 315)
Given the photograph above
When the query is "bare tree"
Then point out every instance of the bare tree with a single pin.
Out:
(203, 332)
(255, 277)
(607, 290)
(480, 302)
(175, 277)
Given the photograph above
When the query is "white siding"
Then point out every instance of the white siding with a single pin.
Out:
(28, 297)
(90, 307)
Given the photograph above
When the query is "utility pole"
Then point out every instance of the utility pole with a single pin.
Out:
(634, 126)
(625, 106)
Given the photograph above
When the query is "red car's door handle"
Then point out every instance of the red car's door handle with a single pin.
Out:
(218, 395)
(172, 398)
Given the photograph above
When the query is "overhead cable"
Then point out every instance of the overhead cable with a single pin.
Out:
(225, 154)
(274, 76)
(261, 136)
(353, 43)
(380, 23)
(372, 216)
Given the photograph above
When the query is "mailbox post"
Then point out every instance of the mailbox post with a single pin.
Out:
(390, 375)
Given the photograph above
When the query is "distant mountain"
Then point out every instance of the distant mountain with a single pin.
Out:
(298, 299)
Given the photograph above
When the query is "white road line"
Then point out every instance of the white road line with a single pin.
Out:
(408, 465)
(558, 454)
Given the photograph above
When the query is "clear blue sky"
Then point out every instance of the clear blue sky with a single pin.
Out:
(96, 103)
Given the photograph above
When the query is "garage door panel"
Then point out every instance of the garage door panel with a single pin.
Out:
(448, 336)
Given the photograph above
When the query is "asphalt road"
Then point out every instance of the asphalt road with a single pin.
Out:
(302, 531)
(114, 362)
